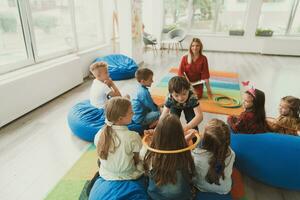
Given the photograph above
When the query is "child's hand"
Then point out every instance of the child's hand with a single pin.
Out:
(231, 119)
(190, 134)
(153, 124)
(186, 128)
(209, 95)
(109, 82)
(148, 134)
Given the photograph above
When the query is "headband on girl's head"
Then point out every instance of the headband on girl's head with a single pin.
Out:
(251, 90)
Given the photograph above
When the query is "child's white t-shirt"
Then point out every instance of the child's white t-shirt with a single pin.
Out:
(201, 159)
(98, 93)
(120, 164)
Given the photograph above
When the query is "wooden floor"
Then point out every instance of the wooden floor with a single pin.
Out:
(38, 149)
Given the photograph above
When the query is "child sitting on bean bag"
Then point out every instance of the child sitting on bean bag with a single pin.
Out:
(288, 121)
(103, 87)
(253, 119)
(146, 112)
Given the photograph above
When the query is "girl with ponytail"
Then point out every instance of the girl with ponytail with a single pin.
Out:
(214, 159)
(118, 148)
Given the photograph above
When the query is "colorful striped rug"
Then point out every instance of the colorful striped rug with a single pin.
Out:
(73, 184)
(222, 83)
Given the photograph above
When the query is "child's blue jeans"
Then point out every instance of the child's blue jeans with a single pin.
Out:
(151, 117)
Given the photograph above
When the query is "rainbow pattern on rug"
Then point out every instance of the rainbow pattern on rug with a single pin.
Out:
(223, 83)
(74, 183)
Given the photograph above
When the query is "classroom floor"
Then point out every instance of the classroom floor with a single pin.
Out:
(38, 149)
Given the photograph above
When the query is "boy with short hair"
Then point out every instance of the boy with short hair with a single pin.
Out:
(181, 98)
(146, 112)
(102, 87)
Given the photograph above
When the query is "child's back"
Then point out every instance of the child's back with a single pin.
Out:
(119, 164)
(202, 158)
(99, 93)
(169, 174)
(118, 148)
(214, 159)
(180, 190)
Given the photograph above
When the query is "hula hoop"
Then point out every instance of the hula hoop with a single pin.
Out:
(233, 102)
(172, 151)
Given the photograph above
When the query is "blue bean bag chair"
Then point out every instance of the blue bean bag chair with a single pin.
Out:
(86, 120)
(270, 158)
(118, 190)
(120, 67)
(212, 196)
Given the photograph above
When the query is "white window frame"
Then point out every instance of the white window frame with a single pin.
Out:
(25, 15)
(26, 39)
(213, 31)
(291, 19)
(37, 58)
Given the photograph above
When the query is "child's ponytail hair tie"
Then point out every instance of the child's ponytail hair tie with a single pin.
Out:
(108, 123)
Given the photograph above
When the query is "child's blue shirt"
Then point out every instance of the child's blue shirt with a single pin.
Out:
(142, 104)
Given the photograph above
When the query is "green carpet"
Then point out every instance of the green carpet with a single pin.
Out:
(72, 185)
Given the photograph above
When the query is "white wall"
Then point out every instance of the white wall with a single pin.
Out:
(152, 17)
(130, 25)
(125, 27)
(263, 45)
(27, 89)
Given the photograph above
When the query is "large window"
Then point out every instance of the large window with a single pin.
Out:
(12, 45)
(204, 15)
(208, 16)
(280, 16)
(231, 15)
(32, 31)
(52, 27)
(176, 12)
(88, 23)
(295, 27)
